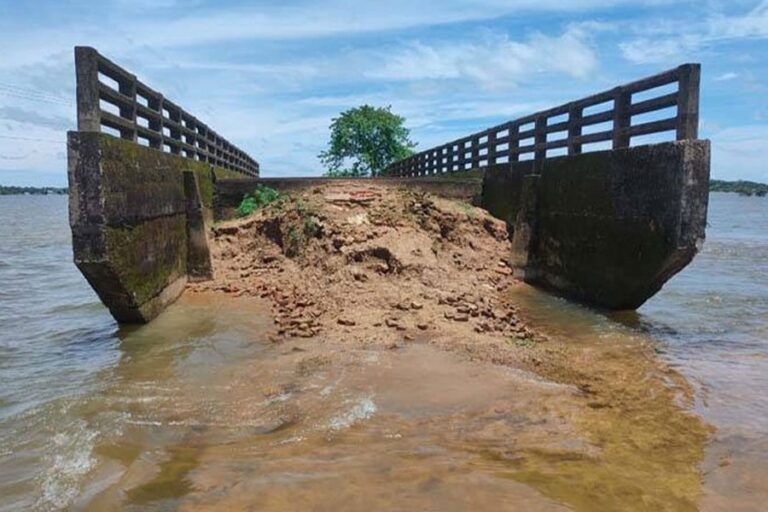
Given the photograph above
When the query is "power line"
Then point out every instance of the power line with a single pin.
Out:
(36, 92)
(32, 139)
(32, 94)
(35, 98)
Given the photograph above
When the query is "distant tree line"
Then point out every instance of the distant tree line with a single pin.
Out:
(35, 191)
(744, 188)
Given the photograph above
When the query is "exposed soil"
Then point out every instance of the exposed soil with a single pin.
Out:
(376, 264)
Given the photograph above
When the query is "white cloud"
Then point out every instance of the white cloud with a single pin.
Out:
(673, 41)
(120, 27)
(754, 24)
(726, 76)
(338, 17)
(739, 153)
(655, 51)
(270, 74)
(493, 62)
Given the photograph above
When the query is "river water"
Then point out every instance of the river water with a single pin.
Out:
(199, 411)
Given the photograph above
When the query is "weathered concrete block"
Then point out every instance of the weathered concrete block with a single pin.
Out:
(610, 227)
(199, 265)
(129, 218)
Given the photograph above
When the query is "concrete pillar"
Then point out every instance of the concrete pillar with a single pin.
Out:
(87, 72)
(199, 266)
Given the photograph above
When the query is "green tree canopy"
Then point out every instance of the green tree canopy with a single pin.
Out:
(368, 138)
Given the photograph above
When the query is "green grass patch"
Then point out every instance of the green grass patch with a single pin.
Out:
(260, 197)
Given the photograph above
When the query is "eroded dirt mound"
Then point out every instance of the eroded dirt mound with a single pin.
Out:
(375, 264)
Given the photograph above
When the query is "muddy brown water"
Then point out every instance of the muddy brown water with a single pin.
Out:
(199, 411)
(203, 413)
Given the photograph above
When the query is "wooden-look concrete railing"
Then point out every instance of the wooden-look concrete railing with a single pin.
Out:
(144, 116)
(508, 142)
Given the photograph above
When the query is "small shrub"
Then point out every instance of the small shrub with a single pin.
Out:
(292, 242)
(311, 229)
(261, 197)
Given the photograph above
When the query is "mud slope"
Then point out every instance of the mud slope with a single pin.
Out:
(377, 265)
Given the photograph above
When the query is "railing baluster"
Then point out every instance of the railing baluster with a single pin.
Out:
(574, 130)
(186, 137)
(540, 138)
(475, 142)
(87, 72)
(514, 143)
(688, 102)
(622, 119)
(491, 155)
(685, 123)
(127, 87)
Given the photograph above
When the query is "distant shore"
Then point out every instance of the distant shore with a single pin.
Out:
(32, 191)
(743, 188)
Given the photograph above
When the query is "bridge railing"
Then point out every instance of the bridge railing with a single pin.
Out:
(533, 136)
(143, 115)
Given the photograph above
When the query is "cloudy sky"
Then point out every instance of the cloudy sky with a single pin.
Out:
(271, 75)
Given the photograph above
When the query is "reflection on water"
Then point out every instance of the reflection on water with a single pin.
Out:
(198, 411)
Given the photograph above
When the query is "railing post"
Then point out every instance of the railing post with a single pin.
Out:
(540, 139)
(688, 102)
(514, 142)
(446, 168)
(127, 87)
(621, 118)
(475, 143)
(432, 164)
(443, 160)
(175, 135)
(574, 130)
(156, 125)
(491, 154)
(87, 72)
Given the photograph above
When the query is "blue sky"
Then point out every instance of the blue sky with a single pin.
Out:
(270, 76)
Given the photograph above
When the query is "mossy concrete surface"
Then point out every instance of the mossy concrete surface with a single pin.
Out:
(609, 227)
(128, 213)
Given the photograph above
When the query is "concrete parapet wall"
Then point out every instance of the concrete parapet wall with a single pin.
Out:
(129, 214)
(609, 228)
(229, 192)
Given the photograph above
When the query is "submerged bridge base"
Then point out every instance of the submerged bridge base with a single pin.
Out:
(608, 228)
(138, 219)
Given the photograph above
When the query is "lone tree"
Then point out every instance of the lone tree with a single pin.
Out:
(369, 138)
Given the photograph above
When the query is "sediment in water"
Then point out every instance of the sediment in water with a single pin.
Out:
(378, 266)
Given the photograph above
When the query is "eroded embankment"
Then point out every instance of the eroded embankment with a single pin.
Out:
(374, 266)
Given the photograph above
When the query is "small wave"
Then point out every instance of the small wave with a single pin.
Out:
(361, 411)
(290, 440)
(70, 458)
